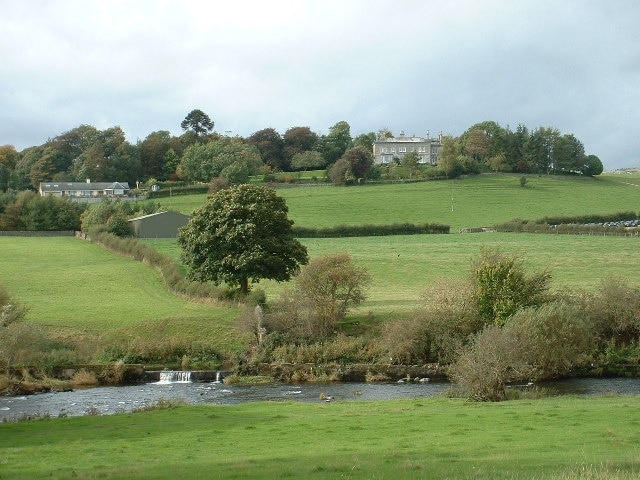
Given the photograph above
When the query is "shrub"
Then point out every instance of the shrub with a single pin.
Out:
(555, 337)
(323, 292)
(501, 286)
(492, 360)
(450, 317)
(119, 225)
(615, 308)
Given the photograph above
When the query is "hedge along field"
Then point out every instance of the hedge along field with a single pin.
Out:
(403, 266)
(72, 285)
(562, 438)
(478, 201)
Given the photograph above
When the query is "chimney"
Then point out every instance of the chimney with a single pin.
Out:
(88, 180)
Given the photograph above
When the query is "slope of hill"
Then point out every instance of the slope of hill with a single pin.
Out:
(465, 202)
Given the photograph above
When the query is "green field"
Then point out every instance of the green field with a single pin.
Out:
(76, 287)
(467, 202)
(432, 438)
(403, 266)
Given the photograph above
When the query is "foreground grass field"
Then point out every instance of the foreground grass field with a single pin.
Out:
(434, 438)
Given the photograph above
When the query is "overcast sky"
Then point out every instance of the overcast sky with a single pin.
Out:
(412, 66)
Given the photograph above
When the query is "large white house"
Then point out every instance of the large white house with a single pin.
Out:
(88, 189)
(387, 150)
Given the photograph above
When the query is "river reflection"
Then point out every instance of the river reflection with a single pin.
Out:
(109, 400)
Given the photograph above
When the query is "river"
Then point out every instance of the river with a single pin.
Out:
(110, 400)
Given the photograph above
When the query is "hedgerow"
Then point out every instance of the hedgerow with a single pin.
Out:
(171, 272)
(370, 230)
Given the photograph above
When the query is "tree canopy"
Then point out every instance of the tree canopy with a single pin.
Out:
(198, 122)
(241, 235)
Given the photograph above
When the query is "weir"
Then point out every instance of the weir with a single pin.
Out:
(175, 376)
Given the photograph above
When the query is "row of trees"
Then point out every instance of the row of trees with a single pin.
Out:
(544, 150)
(200, 154)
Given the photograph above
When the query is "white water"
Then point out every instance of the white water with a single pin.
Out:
(175, 376)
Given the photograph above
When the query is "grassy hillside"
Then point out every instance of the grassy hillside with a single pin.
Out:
(466, 202)
(565, 438)
(76, 287)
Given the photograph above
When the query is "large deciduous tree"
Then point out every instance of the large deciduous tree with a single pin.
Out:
(241, 235)
(592, 166)
(271, 147)
(297, 140)
(203, 162)
(336, 142)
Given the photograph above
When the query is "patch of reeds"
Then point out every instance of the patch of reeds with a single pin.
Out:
(83, 378)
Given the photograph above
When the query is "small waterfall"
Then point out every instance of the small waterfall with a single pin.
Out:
(175, 376)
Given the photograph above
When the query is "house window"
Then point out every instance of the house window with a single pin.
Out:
(402, 149)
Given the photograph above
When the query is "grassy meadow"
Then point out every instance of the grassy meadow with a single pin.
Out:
(402, 267)
(466, 202)
(76, 288)
(79, 290)
(567, 437)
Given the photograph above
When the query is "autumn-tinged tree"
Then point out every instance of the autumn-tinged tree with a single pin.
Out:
(241, 235)
(152, 151)
(355, 164)
(297, 140)
(322, 294)
(8, 159)
(477, 146)
(271, 147)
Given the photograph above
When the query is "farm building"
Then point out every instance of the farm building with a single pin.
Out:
(158, 225)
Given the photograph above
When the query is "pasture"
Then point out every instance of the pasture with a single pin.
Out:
(465, 202)
(566, 438)
(403, 266)
(76, 288)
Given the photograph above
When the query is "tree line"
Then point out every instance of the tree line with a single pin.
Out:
(544, 150)
(200, 154)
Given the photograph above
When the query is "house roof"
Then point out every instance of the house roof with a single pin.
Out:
(58, 186)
